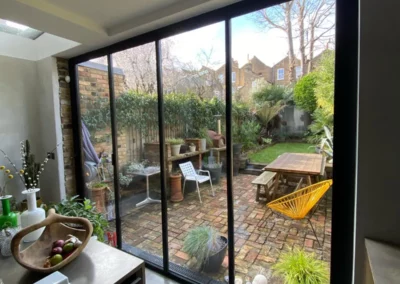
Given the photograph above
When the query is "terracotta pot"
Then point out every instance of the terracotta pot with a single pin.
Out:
(176, 188)
(99, 197)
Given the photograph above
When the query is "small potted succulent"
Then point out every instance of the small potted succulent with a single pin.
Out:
(207, 246)
(215, 170)
(192, 147)
(176, 144)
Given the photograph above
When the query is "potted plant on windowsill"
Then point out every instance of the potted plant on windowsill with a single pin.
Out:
(215, 170)
(207, 246)
(175, 144)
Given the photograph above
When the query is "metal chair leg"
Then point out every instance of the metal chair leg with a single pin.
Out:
(198, 191)
(184, 183)
(212, 189)
(315, 234)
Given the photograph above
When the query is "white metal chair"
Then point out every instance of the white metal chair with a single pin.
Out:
(189, 173)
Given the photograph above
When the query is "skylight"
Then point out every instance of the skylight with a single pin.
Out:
(19, 30)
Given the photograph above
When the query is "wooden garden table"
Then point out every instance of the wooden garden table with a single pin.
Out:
(296, 164)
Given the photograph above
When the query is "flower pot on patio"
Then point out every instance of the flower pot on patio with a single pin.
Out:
(98, 195)
(215, 170)
(176, 187)
(213, 262)
(237, 148)
(243, 161)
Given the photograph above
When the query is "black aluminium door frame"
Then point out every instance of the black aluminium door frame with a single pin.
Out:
(346, 102)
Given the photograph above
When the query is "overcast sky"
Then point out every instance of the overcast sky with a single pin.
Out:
(248, 39)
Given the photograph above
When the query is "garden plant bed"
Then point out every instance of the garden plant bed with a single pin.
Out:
(260, 235)
(270, 153)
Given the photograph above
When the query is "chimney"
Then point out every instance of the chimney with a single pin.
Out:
(248, 57)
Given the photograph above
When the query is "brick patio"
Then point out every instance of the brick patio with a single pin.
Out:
(260, 235)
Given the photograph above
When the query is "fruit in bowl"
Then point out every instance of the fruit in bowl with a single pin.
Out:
(61, 250)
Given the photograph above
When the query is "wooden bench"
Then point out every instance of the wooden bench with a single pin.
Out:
(266, 180)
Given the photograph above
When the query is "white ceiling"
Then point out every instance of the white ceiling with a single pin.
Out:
(98, 23)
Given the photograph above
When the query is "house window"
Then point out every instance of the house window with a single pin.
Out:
(233, 77)
(221, 78)
(280, 74)
(299, 72)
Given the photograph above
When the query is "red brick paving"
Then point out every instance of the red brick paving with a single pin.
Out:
(260, 235)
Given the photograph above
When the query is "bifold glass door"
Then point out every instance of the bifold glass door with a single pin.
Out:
(178, 131)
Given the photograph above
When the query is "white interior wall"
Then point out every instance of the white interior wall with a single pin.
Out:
(52, 180)
(29, 109)
(378, 188)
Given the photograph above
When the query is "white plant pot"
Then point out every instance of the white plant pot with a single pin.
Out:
(175, 149)
(203, 144)
(32, 216)
(192, 148)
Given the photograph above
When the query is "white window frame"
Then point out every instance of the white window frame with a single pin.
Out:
(233, 77)
(280, 77)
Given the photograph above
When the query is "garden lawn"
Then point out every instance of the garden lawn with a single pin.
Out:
(267, 155)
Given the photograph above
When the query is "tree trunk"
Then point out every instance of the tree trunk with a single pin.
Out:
(301, 39)
(311, 48)
(288, 19)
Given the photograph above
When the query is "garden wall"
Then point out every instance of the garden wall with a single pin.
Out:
(94, 90)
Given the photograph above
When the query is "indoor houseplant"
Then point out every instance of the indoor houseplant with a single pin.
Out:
(215, 171)
(300, 267)
(73, 207)
(175, 144)
(30, 174)
(207, 246)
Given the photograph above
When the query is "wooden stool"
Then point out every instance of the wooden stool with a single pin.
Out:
(263, 180)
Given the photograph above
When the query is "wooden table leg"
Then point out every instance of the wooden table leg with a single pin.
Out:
(309, 180)
(276, 185)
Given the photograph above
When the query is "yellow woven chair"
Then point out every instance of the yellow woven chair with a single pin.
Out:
(298, 204)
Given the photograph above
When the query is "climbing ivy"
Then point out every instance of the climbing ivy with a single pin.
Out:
(141, 112)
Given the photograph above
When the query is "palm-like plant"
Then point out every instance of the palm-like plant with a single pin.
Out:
(299, 267)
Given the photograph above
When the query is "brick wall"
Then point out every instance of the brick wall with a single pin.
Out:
(93, 84)
(66, 125)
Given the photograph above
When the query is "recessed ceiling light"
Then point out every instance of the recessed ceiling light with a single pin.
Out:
(17, 26)
(13, 28)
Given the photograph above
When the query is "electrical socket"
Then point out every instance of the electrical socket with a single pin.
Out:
(51, 156)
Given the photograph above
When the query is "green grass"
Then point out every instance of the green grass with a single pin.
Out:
(267, 155)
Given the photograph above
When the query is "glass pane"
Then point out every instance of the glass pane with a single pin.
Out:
(194, 98)
(284, 90)
(97, 143)
(135, 84)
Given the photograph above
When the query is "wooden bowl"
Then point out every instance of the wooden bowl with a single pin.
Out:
(34, 257)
